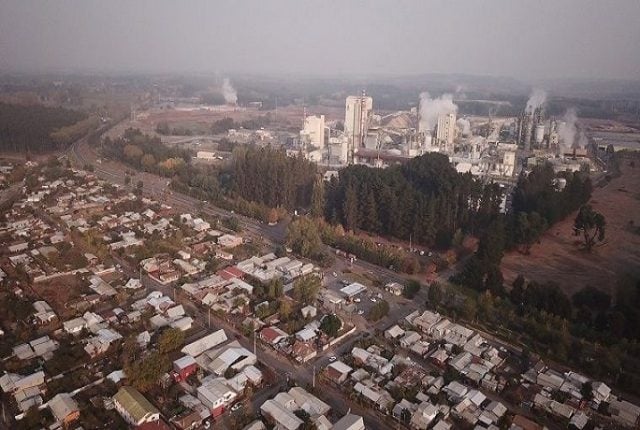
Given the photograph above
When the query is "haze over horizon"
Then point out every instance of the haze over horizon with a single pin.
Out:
(529, 40)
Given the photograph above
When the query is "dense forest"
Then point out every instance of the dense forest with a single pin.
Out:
(37, 128)
(425, 199)
(270, 177)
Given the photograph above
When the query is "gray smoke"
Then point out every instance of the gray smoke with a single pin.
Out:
(465, 125)
(536, 99)
(567, 130)
(430, 109)
(228, 92)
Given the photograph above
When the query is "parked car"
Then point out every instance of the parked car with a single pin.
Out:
(332, 358)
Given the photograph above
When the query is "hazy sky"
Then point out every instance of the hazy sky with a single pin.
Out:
(520, 38)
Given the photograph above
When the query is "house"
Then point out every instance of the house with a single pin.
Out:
(394, 332)
(409, 339)
(184, 367)
(308, 402)
(423, 416)
(338, 372)
(64, 408)
(279, 414)
(303, 351)
(229, 241)
(272, 335)
(134, 407)
(394, 288)
(232, 355)
(455, 391)
(154, 425)
(522, 423)
(207, 342)
(308, 311)
(188, 420)
(349, 422)
(215, 395)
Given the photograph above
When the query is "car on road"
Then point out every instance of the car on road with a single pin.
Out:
(332, 359)
(373, 299)
(236, 407)
(360, 312)
(357, 300)
(335, 275)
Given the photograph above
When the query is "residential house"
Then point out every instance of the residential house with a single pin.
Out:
(64, 408)
(134, 407)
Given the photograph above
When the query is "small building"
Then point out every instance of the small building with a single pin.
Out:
(64, 408)
(349, 422)
(338, 372)
(394, 288)
(134, 407)
(184, 367)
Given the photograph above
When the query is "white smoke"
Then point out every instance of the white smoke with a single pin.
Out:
(228, 92)
(430, 109)
(465, 125)
(536, 99)
(567, 129)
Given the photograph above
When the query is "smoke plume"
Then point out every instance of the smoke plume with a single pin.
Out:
(228, 92)
(430, 109)
(536, 99)
(567, 130)
(465, 125)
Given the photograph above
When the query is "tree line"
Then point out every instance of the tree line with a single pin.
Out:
(37, 128)
(425, 200)
(147, 153)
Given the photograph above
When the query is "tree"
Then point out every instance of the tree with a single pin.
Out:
(379, 310)
(350, 208)
(304, 238)
(587, 390)
(144, 374)
(591, 225)
(306, 288)
(170, 340)
(284, 309)
(318, 198)
(435, 294)
(331, 325)
(411, 289)
(148, 161)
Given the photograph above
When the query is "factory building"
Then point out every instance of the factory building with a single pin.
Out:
(356, 122)
(314, 131)
(446, 130)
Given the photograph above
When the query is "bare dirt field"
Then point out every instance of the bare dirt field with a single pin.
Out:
(59, 291)
(560, 258)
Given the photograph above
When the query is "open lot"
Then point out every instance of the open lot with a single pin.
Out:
(61, 290)
(560, 258)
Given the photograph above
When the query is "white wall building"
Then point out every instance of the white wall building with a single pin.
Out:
(313, 132)
(446, 130)
(356, 120)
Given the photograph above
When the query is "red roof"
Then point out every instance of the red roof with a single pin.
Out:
(269, 334)
(154, 425)
(230, 273)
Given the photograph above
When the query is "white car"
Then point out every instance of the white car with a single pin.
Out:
(236, 407)
(360, 312)
(332, 358)
(357, 300)
(373, 299)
